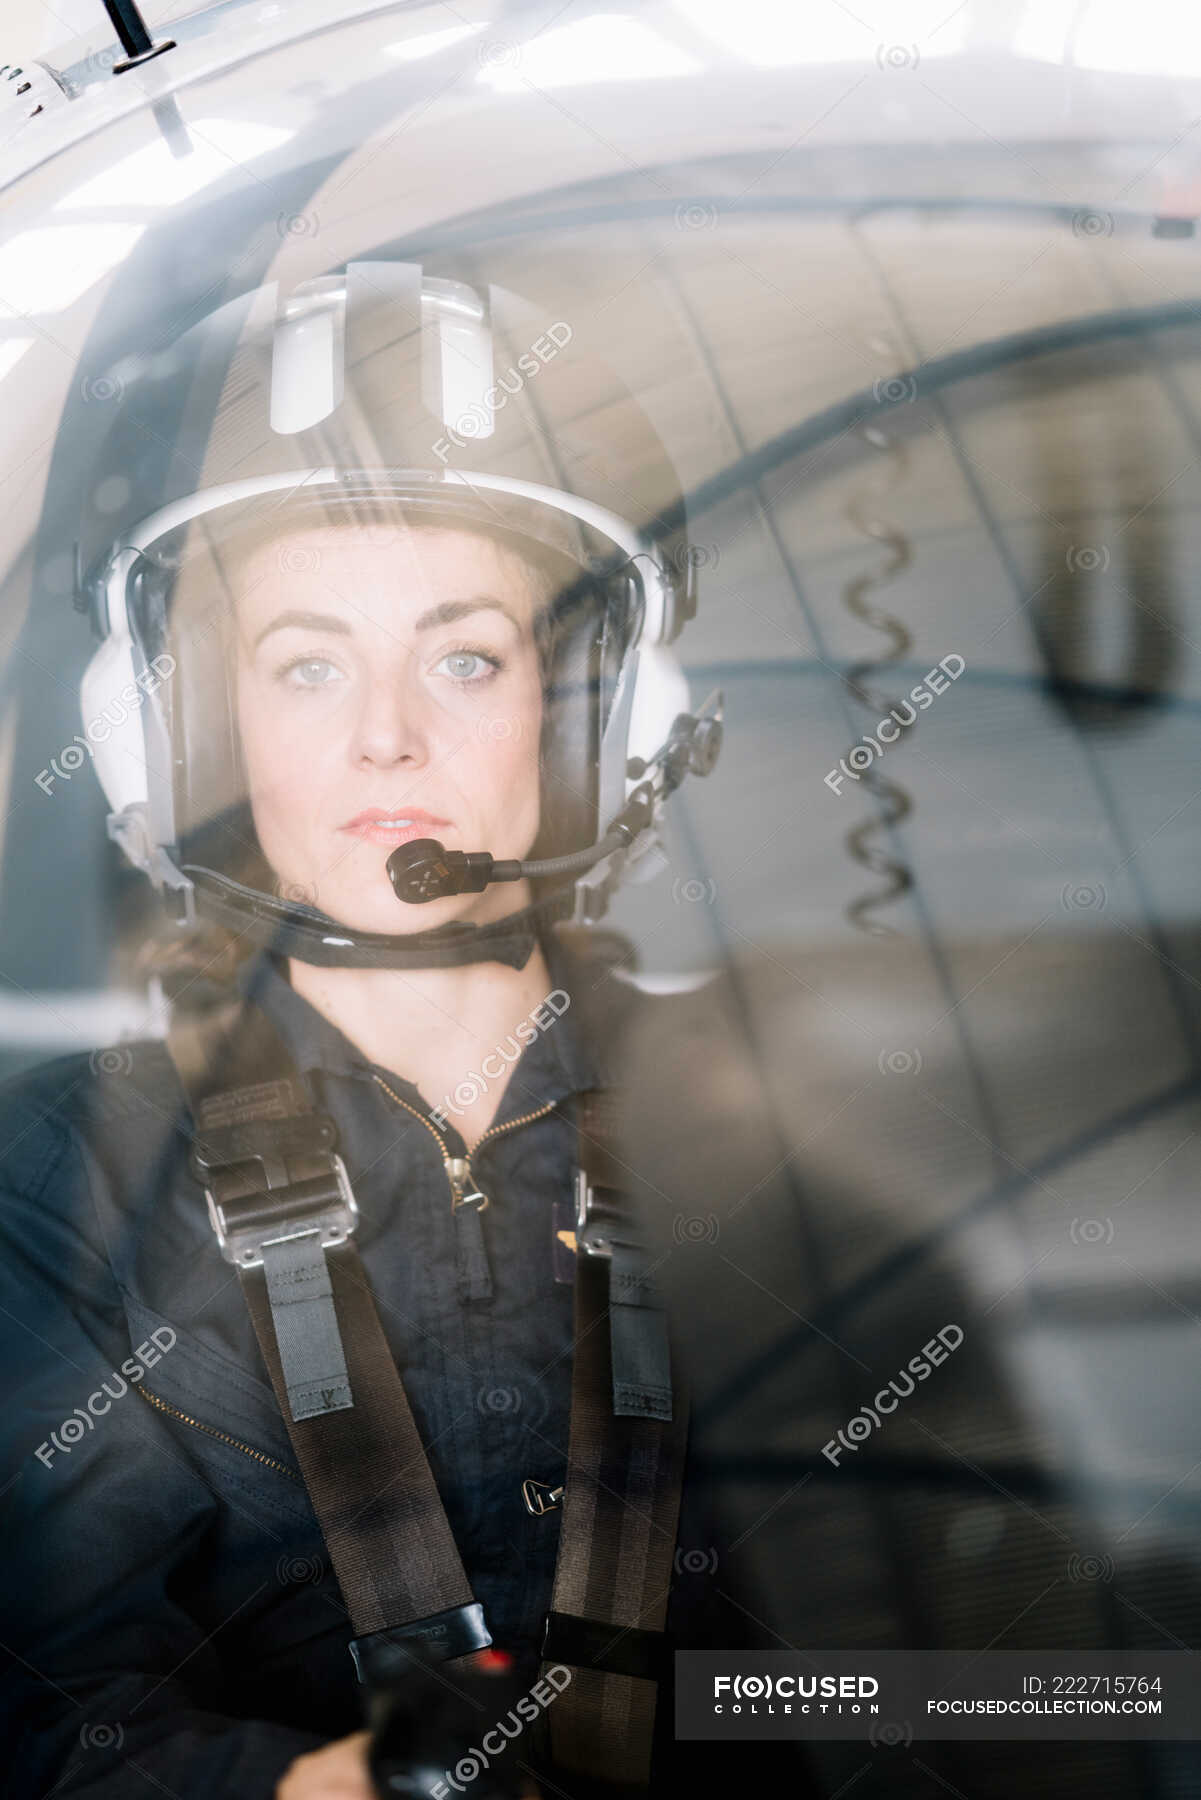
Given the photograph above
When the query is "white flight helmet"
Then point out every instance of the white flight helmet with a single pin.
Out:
(366, 394)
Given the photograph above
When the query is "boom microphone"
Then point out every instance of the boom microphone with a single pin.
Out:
(425, 870)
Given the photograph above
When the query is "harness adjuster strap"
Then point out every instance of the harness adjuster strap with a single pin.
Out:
(641, 1356)
(278, 1198)
(610, 1649)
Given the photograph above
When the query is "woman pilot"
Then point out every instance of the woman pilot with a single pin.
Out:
(328, 683)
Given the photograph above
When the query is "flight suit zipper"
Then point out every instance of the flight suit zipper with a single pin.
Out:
(458, 1168)
(467, 1202)
(211, 1431)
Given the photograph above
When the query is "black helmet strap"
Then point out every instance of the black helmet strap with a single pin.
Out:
(312, 937)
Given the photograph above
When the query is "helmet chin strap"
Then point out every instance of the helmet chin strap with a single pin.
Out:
(292, 929)
(421, 872)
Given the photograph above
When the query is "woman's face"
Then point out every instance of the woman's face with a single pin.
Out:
(387, 690)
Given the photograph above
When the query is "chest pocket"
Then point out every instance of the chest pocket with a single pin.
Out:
(231, 1412)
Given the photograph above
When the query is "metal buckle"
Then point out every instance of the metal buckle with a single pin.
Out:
(243, 1245)
(586, 1237)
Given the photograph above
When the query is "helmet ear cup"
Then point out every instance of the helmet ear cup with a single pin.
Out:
(588, 647)
(214, 820)
(570, 735)
(184, 604)
(209, 773)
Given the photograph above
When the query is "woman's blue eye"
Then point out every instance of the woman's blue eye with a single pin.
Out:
(469, 665)
(312, 671)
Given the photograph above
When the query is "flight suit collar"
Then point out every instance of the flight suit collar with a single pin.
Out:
(562, 1059)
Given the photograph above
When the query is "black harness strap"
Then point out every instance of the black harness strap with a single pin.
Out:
(621, 1509)
(363, 1463)
(282, 1208)
(372, 1488)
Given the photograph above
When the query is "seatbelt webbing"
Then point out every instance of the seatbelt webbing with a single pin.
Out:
(311, 1356)
(637, 1325)
(621, 1508)
(364, 1466)
(366, 1471)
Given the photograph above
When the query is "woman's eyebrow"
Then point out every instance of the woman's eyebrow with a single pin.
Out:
(445, 613)
(310, 621)
(449, 610)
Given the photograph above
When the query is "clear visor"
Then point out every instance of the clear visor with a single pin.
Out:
(361, 651)
(907, 446)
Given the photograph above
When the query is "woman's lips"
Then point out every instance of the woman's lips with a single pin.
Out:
(379, 827)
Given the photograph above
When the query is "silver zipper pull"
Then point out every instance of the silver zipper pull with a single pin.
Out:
(463, 1191)
(539, 1496)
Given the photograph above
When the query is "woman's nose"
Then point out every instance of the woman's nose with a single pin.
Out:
(390, 726)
